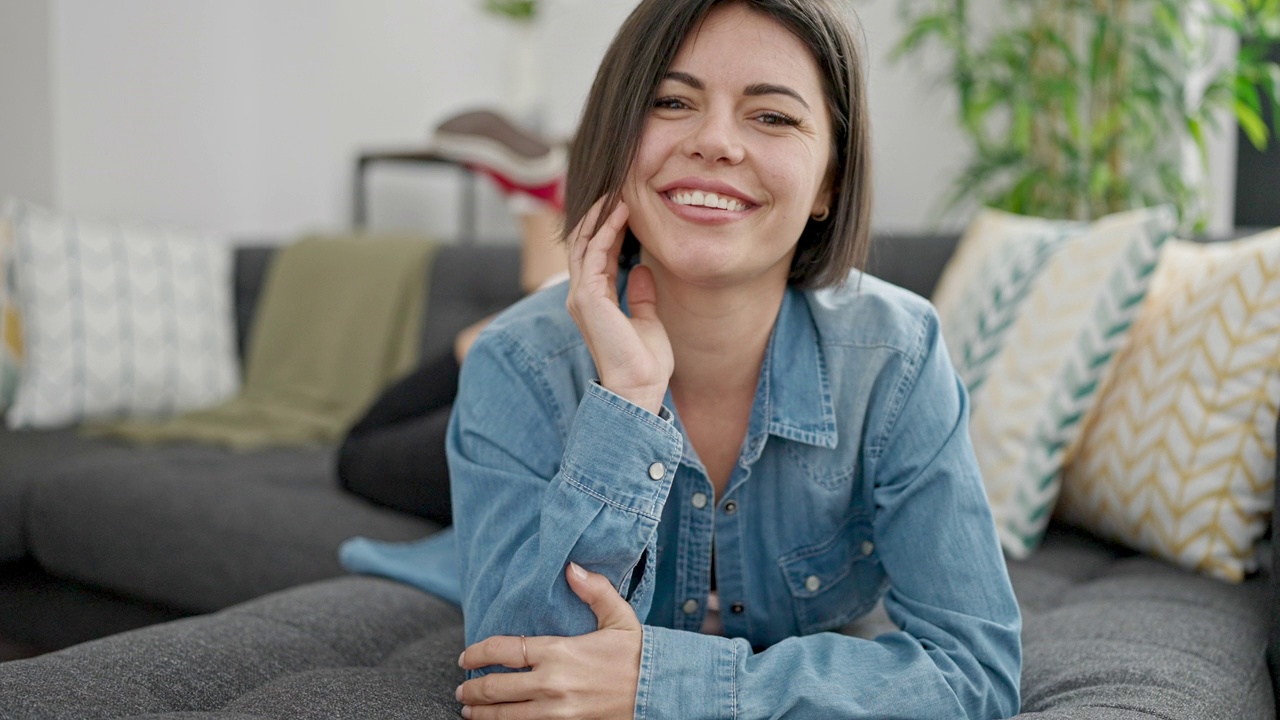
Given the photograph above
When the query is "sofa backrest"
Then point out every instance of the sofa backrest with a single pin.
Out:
(467, 283)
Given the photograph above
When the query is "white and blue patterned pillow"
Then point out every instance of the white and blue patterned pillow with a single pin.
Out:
(1033, 312)
(119, 321)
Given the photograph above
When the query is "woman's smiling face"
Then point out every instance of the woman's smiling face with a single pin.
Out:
(735, 155)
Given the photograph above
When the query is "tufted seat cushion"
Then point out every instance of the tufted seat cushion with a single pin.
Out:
(1107, 634)
(1112, 634)
(353, 647)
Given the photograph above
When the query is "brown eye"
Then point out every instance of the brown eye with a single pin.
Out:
(669, 103)
(777, 118)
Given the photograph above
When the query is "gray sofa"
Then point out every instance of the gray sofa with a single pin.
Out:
(153, 535)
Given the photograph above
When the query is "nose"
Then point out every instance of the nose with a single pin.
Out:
(714, 138)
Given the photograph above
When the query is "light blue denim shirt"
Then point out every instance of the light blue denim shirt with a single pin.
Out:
(856, 482)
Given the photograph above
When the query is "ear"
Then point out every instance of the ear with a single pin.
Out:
(826, 194)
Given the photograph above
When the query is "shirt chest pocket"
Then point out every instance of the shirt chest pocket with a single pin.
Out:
(835, 581)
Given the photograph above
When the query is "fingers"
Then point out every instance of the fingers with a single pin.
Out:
(642, 294)
(498, 688)
(507, 711)
(504, 650)
(594, 589)
(593, 252)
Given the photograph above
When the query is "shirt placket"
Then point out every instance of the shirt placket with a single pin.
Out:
(697, 528)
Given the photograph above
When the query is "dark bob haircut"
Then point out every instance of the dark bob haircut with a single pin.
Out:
(626, 84)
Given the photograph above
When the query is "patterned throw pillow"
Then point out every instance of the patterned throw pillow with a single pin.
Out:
(1177, 456)
(119, 321)
(10, 323)
(1033, 312)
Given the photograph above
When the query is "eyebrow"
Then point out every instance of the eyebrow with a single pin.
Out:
(755, 89)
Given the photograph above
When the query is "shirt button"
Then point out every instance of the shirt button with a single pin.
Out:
(657, 470)
(737, 608)
(690, 606)
(730, 507)
(812, 583)
(868, 547)
(699, 500)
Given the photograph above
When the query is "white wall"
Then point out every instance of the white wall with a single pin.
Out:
(26, 113)
(245, 115)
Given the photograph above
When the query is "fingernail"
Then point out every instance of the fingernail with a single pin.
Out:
(458, 693)
(466, 712)
(578, 572)
(461, 655)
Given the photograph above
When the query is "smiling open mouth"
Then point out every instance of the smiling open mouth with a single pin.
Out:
(697, 198)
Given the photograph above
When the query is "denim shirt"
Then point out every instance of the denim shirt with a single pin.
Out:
(856, 483)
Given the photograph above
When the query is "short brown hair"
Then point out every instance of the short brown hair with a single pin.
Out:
(621, 98)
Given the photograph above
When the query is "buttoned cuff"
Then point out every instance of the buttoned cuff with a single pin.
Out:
(621, 453)
(688, 675)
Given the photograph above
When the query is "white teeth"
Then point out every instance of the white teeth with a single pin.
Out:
(711, 200)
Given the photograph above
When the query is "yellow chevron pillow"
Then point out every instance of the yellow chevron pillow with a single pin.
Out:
(10, 326)
(1177, 455)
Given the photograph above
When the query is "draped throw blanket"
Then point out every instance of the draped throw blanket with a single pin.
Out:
(339, 318)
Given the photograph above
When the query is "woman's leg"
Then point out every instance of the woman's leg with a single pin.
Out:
(395, 455)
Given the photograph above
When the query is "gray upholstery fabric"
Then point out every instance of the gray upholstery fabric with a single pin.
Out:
(345, 648)
(914, 262)
(467, 283)
(1108, 634)
(1273, 649)
(25, 458)
(196, 528)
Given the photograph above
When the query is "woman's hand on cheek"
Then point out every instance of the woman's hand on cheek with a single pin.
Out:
(588, 676)
(632, 354)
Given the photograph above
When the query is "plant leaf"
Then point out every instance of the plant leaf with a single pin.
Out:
(1252, 125)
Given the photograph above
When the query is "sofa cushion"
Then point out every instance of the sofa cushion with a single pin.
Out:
(347, 648)
(1176, 458)
(1108, 633)
(196, 528)
(25, 457)
(1033, 311)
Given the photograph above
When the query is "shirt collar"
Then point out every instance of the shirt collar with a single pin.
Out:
(796, 392)
(793, 398)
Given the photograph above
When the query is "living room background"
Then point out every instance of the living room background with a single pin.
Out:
(245, 116)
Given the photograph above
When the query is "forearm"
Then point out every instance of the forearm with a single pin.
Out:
(600, 510)
(689, 675)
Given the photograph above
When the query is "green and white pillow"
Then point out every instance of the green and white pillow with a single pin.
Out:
(1033, 312)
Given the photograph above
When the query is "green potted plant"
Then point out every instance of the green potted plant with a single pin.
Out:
(521, 10)
(1079, 108)
(524, 89)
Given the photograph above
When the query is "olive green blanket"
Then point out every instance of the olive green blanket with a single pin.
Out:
(339, 318)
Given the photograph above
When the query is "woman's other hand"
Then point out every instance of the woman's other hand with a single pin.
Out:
(632, 354)
(588, 676)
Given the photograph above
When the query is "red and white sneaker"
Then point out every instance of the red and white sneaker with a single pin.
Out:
(518, 159)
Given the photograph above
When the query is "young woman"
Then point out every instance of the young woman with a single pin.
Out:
(732, 443)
